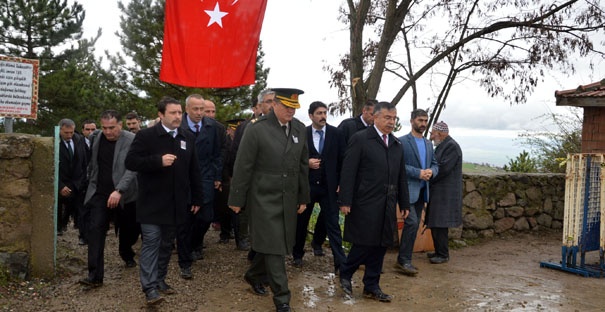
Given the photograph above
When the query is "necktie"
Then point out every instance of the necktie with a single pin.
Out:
(285, 129)
(384, 139)
(197, 129)
(70, 149)
(171, 132)
(321, 140)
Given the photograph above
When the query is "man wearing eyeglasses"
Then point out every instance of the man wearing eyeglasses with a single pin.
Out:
(263, 106)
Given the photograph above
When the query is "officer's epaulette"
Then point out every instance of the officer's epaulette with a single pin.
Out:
(261, 118)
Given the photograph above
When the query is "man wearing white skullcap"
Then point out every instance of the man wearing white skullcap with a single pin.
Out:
(445, 208)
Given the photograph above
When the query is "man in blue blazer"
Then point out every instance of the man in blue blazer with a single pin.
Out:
(326, 151)
(420, 166)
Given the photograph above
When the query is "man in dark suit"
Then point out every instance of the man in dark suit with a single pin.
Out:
(170, 187)
(445, 208)
(347, 128)
(208, 151)
(270, 178)
(420, 166)
(72, 175)
(350, 126)
(373, 181)
(326, 150)
(88, 128)
(110, 186)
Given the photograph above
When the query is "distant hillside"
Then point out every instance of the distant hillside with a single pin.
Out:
(480, 168)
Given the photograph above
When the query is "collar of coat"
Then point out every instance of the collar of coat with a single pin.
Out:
(373, 134)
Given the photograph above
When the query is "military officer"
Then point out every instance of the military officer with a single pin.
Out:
(270, 178)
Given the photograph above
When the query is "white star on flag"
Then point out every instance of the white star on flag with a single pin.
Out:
(216, 16)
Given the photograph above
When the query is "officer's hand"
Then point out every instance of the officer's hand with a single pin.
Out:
(405, 213)
(301, 208)
(345, 209)
(235, 209)
(195, 209)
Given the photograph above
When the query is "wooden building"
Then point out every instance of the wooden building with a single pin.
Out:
(592, 98)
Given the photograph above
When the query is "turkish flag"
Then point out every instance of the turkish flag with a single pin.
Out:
(211, 43)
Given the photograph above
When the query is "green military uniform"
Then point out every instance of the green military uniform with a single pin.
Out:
(270, 178)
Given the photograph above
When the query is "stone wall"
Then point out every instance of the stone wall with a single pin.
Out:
(493, 204)
(26, 205)
(497, 203)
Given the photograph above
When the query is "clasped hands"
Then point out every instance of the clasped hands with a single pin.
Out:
(425, 174)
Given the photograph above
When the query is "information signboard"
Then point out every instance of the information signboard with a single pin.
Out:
(18, 87)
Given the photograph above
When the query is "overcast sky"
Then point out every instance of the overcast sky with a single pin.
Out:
(301, 36)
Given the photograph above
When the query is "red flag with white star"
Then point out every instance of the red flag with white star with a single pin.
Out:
(211, 43)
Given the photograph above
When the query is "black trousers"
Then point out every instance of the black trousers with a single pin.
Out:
(202, 220)
(228, 219)
(440, 241)
(68, 207)
(83, 217)
(128, 230)
(328, 218)
(97, 231)
(183, 243)
(370, 256)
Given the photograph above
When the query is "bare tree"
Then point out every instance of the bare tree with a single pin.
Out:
(507, 46)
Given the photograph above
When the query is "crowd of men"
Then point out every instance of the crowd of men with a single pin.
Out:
(260, 180)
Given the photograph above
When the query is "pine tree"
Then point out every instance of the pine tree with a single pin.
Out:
(51, 31)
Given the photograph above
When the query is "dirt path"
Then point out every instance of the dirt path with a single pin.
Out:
(502, 274)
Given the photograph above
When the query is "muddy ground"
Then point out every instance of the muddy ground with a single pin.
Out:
(499, 274)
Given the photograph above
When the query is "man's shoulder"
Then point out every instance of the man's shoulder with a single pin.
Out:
(128, 134)
(347, 122)
(147, 131)
(297, 123)
(213, 123)
(262, 120)
(331, 128)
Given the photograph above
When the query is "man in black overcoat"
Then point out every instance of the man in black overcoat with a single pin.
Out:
(170, 188)
(373, 181)
(445, 209)
(350, 126)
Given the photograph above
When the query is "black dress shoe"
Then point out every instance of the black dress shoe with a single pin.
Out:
(257, 288)
(165, 288)
(186, 273)
(284, 307)
(346, 286)
(317, 250)
(377, 295)
(197, 255)
(406, 269)
(243, 245)
(90, 283)
(130, 263)
(82, 242)
(152, 297)
(223, 240)
(430, 254)
(297, 263)
(439, 260)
